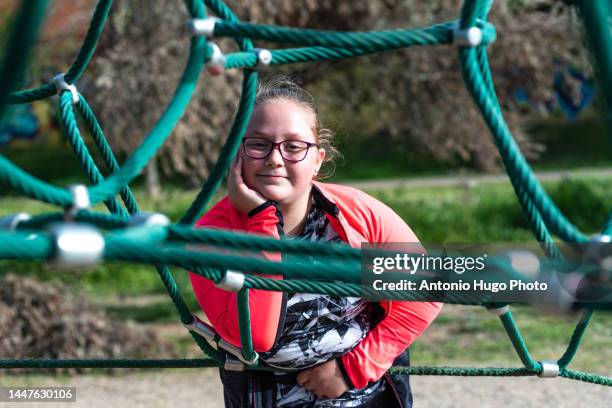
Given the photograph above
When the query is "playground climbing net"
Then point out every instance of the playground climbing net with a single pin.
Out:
(78, 237)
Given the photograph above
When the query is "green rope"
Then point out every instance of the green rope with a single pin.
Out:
(71, 130)
(105, 150)
(586, 377)
(517, 341)
(607, 229)
(115, 363)
(518, 168)
(26, 26)
(158, 135)
(244, 311)
(34, 188)
(531, 212)
(228, 151)
(538, 227)
(576, 338)
(237, 240)
(462, 371)
(20, 245)
(293, 56)
(89, 43)
(373, 41)
(81, 61)
(597, 15)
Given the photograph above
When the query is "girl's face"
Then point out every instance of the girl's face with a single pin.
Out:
(274, 177)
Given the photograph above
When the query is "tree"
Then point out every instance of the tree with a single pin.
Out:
(414, 98)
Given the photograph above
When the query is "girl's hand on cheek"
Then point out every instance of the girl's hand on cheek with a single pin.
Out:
(242, 197)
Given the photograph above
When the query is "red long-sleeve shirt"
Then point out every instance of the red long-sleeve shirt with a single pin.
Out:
(357, 218)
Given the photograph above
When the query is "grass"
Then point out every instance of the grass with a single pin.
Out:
(469, 335)
(490, 212)
(584, 142)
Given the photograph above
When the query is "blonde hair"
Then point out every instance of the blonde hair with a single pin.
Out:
(284, 88)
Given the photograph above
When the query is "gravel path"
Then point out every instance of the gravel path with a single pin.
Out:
(201, 388)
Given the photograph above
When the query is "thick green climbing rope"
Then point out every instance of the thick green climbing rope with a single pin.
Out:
(128, 235)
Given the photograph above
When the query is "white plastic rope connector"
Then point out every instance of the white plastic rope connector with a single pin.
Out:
(216, 341)
(264, 56)
(216, 64)
(80, 201)
(61, 85)
(202, 26)
(232, 281)
(550, 369)
(603, 238)
(524, 262)
(499, 311)
(11, 222)
(233, 364)
(76, 245)
(468, 37)
(148, 219)
(204, 330)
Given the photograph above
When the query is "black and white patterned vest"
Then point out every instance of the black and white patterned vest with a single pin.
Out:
(318, 328)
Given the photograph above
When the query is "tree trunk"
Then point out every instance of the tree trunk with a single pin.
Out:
(152, 180)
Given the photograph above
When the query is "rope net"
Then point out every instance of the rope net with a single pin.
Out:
(130, 235)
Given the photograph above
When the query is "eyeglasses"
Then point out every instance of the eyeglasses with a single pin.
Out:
(290, 150)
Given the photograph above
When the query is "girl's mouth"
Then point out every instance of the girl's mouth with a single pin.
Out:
(271, 176)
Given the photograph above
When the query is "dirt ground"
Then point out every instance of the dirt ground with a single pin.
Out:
(201, 388)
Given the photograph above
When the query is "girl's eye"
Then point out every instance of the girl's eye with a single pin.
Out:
(258, 145)
(295, 147)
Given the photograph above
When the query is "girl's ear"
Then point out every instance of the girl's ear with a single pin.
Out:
(320, 158)
(319, 162)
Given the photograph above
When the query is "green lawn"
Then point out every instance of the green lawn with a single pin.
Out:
(471, 336)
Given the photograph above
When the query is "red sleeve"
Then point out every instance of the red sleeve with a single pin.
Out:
(404, 322)
(220, 305)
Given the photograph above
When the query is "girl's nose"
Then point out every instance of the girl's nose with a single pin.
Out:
(275, 157)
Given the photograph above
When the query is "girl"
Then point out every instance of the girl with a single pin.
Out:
(330, 351)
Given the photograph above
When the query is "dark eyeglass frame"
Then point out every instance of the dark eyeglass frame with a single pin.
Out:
(277, 146)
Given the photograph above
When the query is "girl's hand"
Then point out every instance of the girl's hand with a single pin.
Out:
(324, 380)
(242, 197)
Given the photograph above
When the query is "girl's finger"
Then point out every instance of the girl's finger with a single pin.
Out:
(234, 179)
(238, 171)
(234, 169)
(308, 385)
(303, 377)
